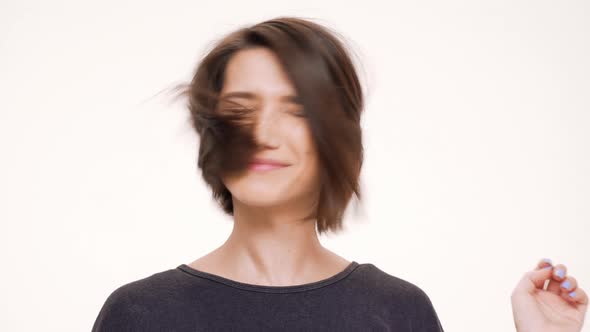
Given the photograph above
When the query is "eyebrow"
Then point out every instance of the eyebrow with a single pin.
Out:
(249, 95)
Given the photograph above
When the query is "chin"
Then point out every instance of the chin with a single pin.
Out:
(263, 193)
(261, 199)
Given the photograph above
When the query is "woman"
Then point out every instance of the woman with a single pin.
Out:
(277, 107)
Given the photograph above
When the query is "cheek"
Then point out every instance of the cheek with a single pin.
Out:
(302, 142)
(300, 137)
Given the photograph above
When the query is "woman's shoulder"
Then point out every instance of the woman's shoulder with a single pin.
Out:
(161, 281)
(389, 283)
(403, 295)
(133, 301)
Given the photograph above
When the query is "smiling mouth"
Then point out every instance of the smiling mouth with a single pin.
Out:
(264, 166)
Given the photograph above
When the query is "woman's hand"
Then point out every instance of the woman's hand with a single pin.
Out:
(558, 308)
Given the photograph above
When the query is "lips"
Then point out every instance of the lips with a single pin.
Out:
(268, 162)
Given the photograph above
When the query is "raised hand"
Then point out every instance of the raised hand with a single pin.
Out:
(560, 307)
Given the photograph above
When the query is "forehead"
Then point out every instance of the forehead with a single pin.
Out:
(255, 74)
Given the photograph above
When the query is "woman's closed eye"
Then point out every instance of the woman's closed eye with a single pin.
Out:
(298, 113)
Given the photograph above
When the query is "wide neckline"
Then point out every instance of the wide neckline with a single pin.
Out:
(271, 289)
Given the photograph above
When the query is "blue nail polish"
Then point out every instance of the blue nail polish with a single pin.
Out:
(559, 273)
(547, 260)
(548, 267)
(572, 294)
(566, 284)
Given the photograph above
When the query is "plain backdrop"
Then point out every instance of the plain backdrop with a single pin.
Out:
(476, 132)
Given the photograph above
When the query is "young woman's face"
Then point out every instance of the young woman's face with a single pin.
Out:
(283, 134)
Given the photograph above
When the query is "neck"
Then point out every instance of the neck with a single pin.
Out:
(273, 246)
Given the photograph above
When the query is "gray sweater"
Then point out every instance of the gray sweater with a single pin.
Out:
(360, 298)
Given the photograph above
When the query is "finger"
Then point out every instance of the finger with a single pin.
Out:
(569, 284)
(545, 262)
(576, 296)
(536, 279)
(559, 272)
(557, 277)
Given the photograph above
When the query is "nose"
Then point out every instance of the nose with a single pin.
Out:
(267, 127)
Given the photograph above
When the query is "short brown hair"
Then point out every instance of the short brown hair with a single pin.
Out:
(321, 69)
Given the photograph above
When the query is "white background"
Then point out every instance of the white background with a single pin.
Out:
(476, 134)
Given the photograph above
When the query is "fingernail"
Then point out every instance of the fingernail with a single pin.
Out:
(572, 294)
(566, 284)
(547, 260)
(548, 267)
(559, 273)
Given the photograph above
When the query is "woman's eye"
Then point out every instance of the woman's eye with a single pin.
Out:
(299, 114)
(236, 110)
